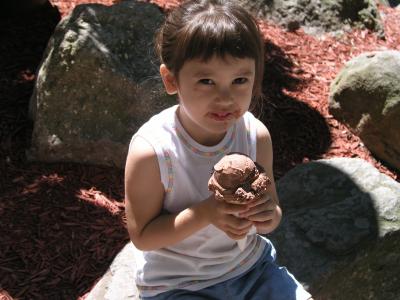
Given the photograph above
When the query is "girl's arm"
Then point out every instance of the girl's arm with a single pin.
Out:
(144, 194)
(265, 213)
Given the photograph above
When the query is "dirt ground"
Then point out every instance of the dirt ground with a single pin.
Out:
(63, 223)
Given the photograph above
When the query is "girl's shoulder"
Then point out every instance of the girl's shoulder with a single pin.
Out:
(156, 128)
(160, 120)
(248, 115)
(254, 124)
(251, 120)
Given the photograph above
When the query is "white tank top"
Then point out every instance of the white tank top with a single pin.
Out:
(209, 256)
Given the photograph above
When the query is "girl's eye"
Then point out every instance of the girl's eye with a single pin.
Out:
(241, 80)
(206, 81)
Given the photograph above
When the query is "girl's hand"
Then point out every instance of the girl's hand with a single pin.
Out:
(264, 213)
(221, 215)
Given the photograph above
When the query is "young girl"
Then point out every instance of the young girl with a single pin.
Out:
(212, 58)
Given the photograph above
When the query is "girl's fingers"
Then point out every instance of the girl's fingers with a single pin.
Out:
(238, 233)
(236, 236)
(257, 209)
(259, 201)
(262, 216)
(263, 226)
(238, 223)
(229, 208)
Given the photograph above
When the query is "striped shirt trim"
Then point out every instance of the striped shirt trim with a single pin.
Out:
(168, 162)
(223, 150)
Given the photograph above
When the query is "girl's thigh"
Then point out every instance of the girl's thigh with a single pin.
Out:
(272, 282)
(267, 280)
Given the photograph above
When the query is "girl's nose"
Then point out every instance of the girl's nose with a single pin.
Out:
(225, 96)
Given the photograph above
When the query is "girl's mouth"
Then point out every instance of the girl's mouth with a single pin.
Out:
(222, 116)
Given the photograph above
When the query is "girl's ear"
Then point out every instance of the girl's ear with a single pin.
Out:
(169, 80)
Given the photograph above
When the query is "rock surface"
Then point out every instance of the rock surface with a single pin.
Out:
(118, 282)
(333, 209)
(374, 274)
(318, 16)
(365, 95)
(97, 83)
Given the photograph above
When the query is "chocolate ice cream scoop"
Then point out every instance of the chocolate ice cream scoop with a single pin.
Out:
(238, 179)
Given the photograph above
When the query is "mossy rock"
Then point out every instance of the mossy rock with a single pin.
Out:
(365, 95)
(319, 16)
(97, 84)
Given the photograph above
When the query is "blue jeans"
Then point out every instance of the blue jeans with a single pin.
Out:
(265, 280)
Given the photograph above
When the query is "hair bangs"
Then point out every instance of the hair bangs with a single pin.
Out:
(216, 34)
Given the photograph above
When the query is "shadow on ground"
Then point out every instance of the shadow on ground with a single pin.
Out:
(61, 224)
(58, 233)
(24, 33)
(298, 131)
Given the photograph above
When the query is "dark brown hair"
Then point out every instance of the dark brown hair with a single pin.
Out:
(202, 29)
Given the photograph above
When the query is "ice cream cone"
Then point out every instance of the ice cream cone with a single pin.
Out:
(238, 179)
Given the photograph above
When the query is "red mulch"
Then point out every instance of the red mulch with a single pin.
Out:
(62, 224)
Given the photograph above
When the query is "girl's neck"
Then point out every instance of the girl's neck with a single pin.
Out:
(201, 137)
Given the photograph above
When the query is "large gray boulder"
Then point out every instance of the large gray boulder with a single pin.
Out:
(374, 274)
(118, 283)
(97, 83)
(318, 16)
(332, 209)
(365, 95)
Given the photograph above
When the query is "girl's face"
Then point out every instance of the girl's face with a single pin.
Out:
(212, 95)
